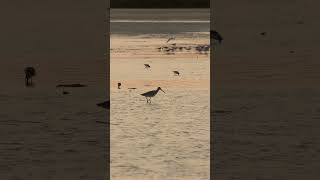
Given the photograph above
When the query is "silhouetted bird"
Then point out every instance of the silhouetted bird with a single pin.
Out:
(151, 94)
(119, 85)
(29, 72)
(172, 38)
(147, 66)
(176, 73)
(65, 92)
(216, 36)
(105, 104)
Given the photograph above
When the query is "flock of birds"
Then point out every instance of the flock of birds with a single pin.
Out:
(200, 48)
(174, 48)
(216, 36)
(30, 72)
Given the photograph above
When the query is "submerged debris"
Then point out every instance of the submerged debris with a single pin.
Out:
(71, 85)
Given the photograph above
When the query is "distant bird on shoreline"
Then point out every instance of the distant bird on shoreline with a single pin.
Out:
(151, 94)
(29, 73)
(105, 104)
(176, 73)
(216, 36)
(147, 66)
(119, 85)
(170, 39)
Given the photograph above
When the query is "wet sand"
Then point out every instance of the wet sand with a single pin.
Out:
(169, 138)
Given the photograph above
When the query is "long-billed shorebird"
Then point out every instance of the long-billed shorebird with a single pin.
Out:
(151, 94)
(29, 72)
(147, 66)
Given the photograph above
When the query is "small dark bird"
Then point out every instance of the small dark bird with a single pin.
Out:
(147, 66)
(65, 92)
(172, 38)
(105, 104)
(176, 73)
(119, 85)
(29, 72)
(216, 36)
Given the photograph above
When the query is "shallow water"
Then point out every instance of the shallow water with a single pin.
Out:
(169, 138)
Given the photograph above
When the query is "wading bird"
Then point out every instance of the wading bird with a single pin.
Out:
(119, 85)
(105, 104)
(29, 72)
(176, 73)
(172, 38)
(147, 66)
(151, 94)
(216, 36)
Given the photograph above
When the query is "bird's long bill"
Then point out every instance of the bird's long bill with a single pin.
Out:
(162, 90)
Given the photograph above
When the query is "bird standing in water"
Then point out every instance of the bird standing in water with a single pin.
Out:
(29, 72)
(151, 94)
(119, 85)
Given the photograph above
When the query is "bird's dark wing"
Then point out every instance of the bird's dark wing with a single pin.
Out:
(146, 93)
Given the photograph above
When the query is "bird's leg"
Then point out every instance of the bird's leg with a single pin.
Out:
(26, 81)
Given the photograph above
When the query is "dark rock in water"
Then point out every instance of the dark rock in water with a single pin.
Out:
(300, 22)
(71, 85)
(263, 33)
(101, 122)
(105, 104)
